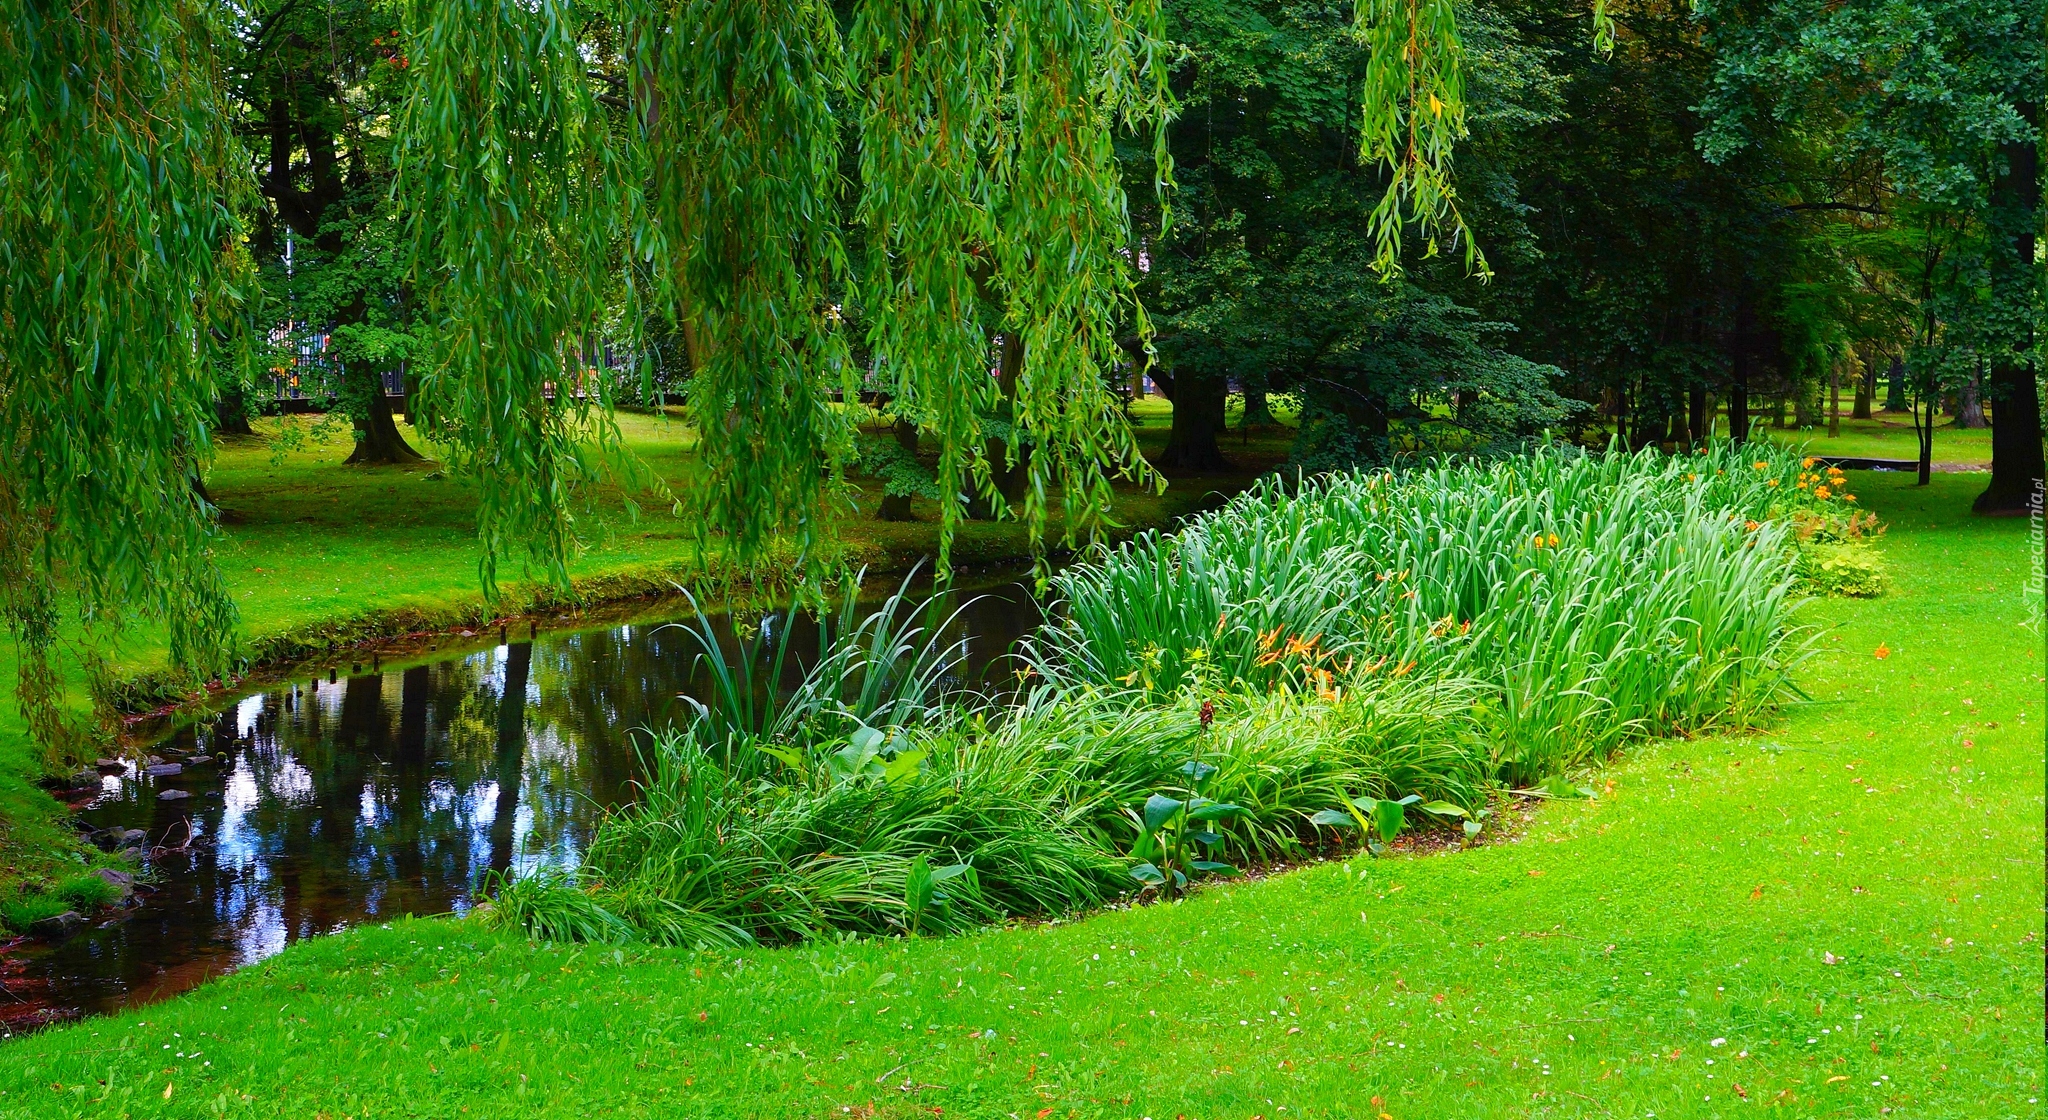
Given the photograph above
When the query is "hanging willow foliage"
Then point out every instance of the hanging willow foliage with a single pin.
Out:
(518, 194)
(927, 70)
(989, 188)
(735, 99)
(1413, 116)
(122, 262)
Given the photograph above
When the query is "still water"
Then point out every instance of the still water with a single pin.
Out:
(313, 805)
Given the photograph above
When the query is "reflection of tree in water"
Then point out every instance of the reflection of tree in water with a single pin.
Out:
(392, 793)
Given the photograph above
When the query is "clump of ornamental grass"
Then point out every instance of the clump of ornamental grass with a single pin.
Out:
(984, 814)
(1593, 597)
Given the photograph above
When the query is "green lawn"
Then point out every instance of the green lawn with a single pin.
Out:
(1838, 915)
(1889, 435)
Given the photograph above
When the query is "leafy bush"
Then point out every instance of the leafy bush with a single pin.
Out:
(1848, 568)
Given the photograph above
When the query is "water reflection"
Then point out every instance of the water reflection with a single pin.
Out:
(318, 805)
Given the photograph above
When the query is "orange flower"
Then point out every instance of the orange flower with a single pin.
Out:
(1849, 498)
(1807, 462)
(1883, 651)
(1820, 491)
(1553, 540)
(1760, 464)
(1750, 525)
(1771, 482)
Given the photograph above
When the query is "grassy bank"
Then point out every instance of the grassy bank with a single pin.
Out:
(1849, 902)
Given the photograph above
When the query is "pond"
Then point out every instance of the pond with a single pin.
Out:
(308, 806)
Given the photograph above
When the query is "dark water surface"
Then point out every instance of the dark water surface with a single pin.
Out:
(314, 806)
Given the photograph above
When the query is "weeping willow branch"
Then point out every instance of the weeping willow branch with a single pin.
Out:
(1413, 117)
(123, 262)
(517, 196)
(742, 149)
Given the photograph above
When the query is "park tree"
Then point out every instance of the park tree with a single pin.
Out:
(318, 87)
(1946, 99)
(1270, 274)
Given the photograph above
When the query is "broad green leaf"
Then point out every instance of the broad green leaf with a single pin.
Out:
(1160, 809)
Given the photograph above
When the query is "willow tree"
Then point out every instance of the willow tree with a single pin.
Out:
(701, 140)
(549, 149)
(123, 262)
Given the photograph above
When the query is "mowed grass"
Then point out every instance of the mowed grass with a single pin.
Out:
(1665, 949)
(1889, 435)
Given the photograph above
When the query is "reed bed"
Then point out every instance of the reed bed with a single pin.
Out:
(1434, 635)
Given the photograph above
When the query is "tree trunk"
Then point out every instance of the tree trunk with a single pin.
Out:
(1895, 386)
(1197, 418)
(1738, 399)
(1258, 413)
(2016, 457)
(1009, 480)
(1970, 402)
(1835, 399)
(1866, 390)
(377, 438)
(231, 414)
(896, 507)
(1698, 416)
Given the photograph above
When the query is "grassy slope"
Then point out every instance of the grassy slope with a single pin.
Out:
(1582, 971)
(312, 546)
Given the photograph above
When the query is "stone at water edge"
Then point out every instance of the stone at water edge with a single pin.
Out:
(165, 770)
(110, 765)
(172, 795)
(121, 881)
(58, 925)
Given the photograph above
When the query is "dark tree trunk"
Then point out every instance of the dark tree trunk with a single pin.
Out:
(377, 438)
(1895, 386)
(1009, 480)
(2016, 455)
(1970, 402)
(1866, 391)
(1258, 412)
(231, 415)
(1197, 418)
(1835, 399)
(896, 507)
(511, 752)
(1738, 400)
(1698, 417)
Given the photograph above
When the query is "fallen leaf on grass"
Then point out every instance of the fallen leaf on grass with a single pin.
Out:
(1882, 652)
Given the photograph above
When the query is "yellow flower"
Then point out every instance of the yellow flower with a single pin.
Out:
(1692, 478)
(1849, 498)
(1771, 482)
(1539, 540)
(1553, 540)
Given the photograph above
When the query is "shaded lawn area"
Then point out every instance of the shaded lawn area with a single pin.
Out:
(1838, 915)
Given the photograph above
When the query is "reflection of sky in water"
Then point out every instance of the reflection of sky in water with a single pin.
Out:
(319, 805)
